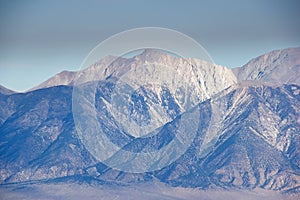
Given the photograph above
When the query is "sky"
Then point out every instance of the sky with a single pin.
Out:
(41, 38)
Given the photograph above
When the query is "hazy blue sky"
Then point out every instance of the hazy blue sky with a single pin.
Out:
(40, 38)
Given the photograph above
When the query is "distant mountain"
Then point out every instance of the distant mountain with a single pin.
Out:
(6, 106)
(272, 67)
(5, 91)
(62, 78)
(277, 67)
(212, 78)
(68, 77)
(248, 135)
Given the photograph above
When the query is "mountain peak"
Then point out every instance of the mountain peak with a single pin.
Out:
(273, 67)
(156, 56)
(62, 78)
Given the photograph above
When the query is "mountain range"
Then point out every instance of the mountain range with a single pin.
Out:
(247, 136)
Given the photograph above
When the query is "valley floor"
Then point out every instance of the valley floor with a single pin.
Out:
(74, 191)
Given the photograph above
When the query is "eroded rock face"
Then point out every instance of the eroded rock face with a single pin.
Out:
(248, 135)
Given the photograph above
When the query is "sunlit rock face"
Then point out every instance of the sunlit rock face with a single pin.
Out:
(247, 136)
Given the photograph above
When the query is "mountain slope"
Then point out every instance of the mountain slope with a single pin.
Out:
(257, 137)
(5, 91)
(62, 78)
(38, 120)
(243, 153)
(277, 67)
